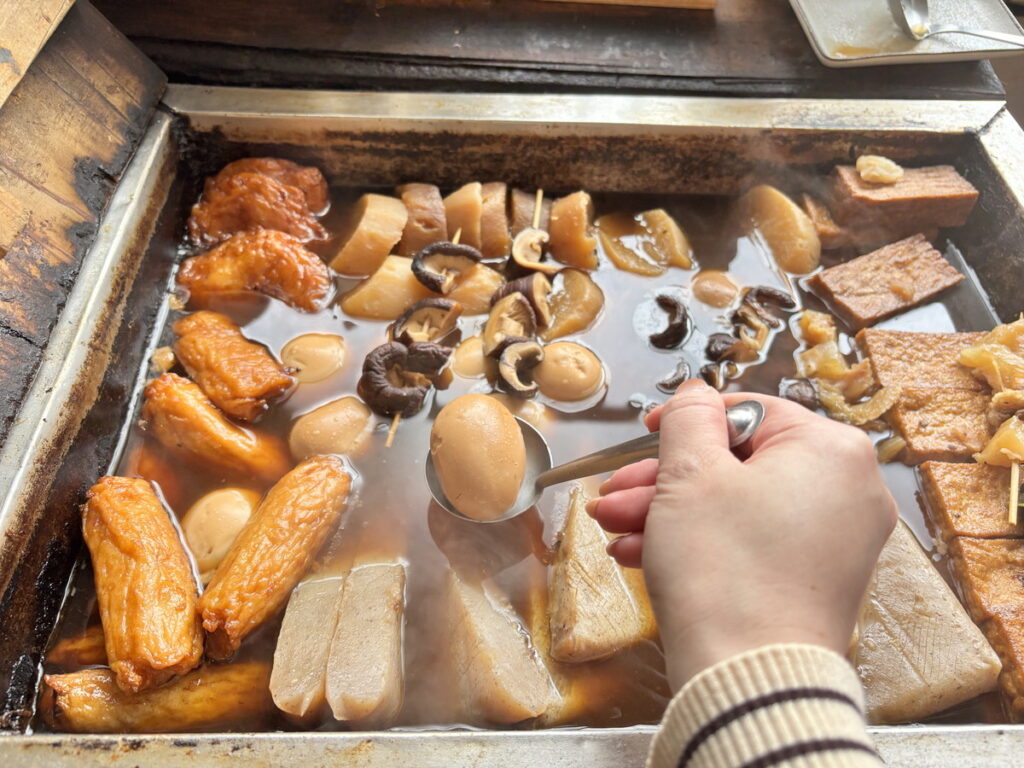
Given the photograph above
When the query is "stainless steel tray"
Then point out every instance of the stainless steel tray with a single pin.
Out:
(67, 432)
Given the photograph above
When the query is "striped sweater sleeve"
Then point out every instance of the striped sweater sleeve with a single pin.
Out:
(798, 706)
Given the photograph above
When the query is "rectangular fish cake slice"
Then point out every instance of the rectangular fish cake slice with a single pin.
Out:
(937, 196)
(882, 283)
(912, 359)
(967, 500)
(941, 424)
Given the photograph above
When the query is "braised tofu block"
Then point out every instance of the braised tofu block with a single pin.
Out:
(593, 614)
(303, 644)
(941, 424)
(937, 196)
(967, 500)
(219, 697)
(499, 677)
(365, 675)
(145, 587)
(873, 235)
(272, 263)
(86, 649)
(244, 201)
(918, 652)
(305, 177)
(892, 279)
(922, 360)
(991, 577)
(830, 233)
(185, 422)
(240, 377)
(273, 552)
(427, 222)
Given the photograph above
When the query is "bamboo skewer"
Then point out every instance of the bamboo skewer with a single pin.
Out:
(537, 208)
(1014, 490)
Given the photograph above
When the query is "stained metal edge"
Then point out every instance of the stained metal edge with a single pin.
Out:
(228, 109)
(56, 394)
(1002, 140)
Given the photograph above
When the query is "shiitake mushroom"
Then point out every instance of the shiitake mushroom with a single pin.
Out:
(439, 265)
(396, 378)
(511, 320)
(528, 250)
(426, 320)
(671, 382)
(679, 324)
(536, 288)
(516, 367)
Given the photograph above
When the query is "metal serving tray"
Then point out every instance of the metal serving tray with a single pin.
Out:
(68, 432)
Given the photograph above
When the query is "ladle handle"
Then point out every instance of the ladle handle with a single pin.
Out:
(743, 420)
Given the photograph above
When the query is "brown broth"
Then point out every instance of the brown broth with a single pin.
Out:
(391, 514)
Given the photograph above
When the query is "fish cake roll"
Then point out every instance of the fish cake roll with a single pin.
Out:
(273, 552)
(239, 376)
(218, 697)
(145, 586)
(184, 420)
(86, 649)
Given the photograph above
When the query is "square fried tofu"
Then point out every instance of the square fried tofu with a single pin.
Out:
(912, 359)
(941, 424)
(967, 500)
(892, 279)
(937, 196)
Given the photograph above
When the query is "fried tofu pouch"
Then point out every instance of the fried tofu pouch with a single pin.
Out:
(273, 552)
(239, 376)
(145, 586)
(184, 420)
(218, 697)
(304, 177)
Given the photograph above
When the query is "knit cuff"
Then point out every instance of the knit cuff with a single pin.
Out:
(791, 704)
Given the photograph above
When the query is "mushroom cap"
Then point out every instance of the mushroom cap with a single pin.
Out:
(515, 366)
(511, 320)
(438, 265)
(427, 320)
(528, 250)
(536, 288)
(396, 378)
(679, 324)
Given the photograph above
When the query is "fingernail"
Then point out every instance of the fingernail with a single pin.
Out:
(591, 506)
(603, 488)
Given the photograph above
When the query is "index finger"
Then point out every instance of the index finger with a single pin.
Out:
(783, 419)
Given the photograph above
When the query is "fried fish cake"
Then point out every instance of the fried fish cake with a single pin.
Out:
(219, 697)
(244, 201)
(273, 552)
(305, 177)
(239, 376)
(145, 586)
(261, 260)
(184, 420)
(86, 649)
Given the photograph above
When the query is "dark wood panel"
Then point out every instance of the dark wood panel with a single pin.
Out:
(24, 29)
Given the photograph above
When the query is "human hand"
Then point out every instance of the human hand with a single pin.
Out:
(741, 553)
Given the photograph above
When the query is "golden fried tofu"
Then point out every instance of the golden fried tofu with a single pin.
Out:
(86, 649)
(239, 376)
(219, 697)
(244, 201)
(305, 177)
(273, 552)
(183, 419)
(967, 500)
(941, 424)
(890, 280)
(991, 577)
(922, 360)
(261, 260)
(145, 586)
(149, 460)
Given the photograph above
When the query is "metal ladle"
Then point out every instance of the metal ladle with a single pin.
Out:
(743, 420)
(912, 17)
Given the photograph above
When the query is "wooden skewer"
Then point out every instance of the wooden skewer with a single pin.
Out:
(1014, 490)
(537, 208)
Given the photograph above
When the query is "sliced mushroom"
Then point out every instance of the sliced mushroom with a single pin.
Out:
(722, 346)
(516, 365)
(396, 378)
(678, 327)
(536, 288)
(801, 391)
(439, 265)
(528, 250)
(759, 298)
(671, 382)
(511, 321)
(718, 374)
(426, 320)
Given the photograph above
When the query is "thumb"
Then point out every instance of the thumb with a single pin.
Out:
(694, 432)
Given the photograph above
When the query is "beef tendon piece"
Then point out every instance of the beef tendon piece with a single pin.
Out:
(239, 376)
(244, 201)
(924, 198)
(184, 420)
(941, 424)
(924, 360)
(271, 263)
(593, 613)
(145, 586)
(221, 697)
(967, 500)
(892, 279)
(918, 652)
(86, 649)
(375, 225)
(304, 177)
(427, 222)
(499, 675)
(365, 676)
(997, 357)
(300, 656)
(273, 552)
(991, 577)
